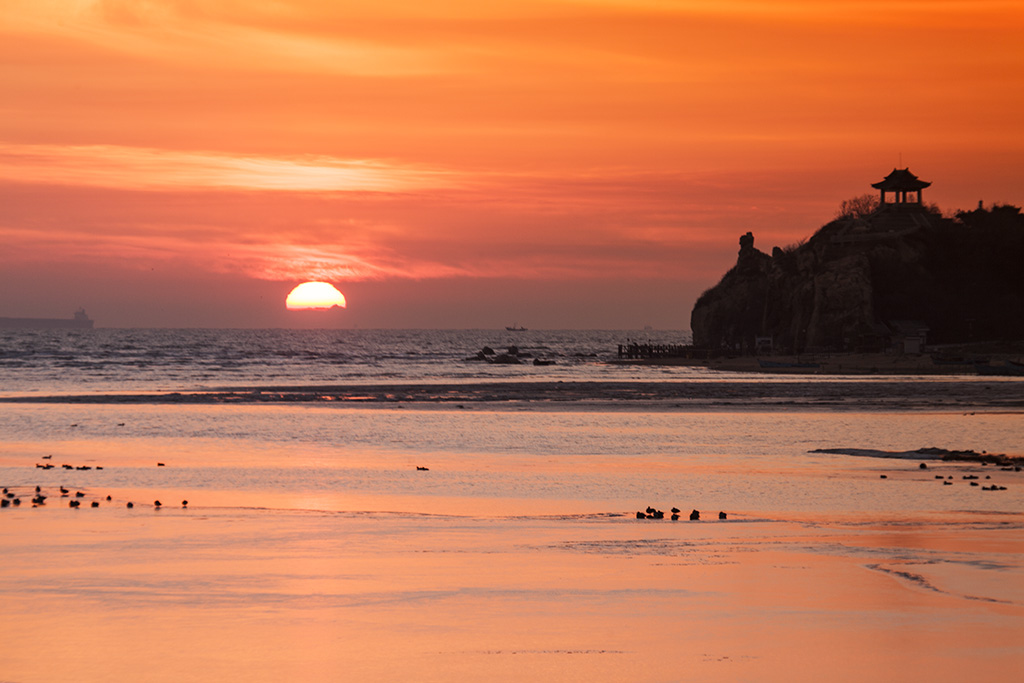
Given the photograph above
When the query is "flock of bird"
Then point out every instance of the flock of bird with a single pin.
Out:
(653, 513)
(948, 480)
(13, 499)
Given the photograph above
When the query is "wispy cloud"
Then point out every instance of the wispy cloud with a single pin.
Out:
(148, 168)
(246, 35)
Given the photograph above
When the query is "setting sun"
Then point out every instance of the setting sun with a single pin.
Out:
(314, 296)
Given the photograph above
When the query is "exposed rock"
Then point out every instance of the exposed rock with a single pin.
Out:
(931, 452)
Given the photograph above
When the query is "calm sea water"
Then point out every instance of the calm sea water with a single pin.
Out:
(61, 361)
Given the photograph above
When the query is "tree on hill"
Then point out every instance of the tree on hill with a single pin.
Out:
(857, 207)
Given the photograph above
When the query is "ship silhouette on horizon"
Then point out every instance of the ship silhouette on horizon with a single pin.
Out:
(80, 321)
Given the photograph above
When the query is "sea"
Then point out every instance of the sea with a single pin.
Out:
(384, 505)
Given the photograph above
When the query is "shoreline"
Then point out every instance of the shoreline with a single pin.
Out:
(829, 364)
(785, 393)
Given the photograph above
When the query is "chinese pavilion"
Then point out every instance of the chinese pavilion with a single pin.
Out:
(901, 187)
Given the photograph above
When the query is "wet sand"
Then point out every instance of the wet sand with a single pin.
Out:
(312, 548)
(213, 593)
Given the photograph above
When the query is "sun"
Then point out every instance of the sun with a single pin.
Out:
(312, 296)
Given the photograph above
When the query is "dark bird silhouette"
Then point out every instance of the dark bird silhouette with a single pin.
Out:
(676, 511)
(675, 516)
(422, 469)
(108, 497)
(79, 494)
(73, 503)
(47, 457)
(639, 515)
(4, 502)
(160, 464)
(63, 491)
(695, 515)
(721, 515)
(130, 505)
(156, 503)
(95, 503)
(184, 503)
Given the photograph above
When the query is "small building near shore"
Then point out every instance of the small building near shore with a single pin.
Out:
(908, 336)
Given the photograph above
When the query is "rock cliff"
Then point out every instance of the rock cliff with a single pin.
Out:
(859, 282)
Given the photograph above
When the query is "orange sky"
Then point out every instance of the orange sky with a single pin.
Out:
(557, 163)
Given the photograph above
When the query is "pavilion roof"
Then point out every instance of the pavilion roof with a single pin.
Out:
(900, 179)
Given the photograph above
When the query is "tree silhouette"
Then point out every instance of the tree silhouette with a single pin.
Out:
(858, 207)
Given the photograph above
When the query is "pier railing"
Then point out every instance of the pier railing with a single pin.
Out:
(638, 351)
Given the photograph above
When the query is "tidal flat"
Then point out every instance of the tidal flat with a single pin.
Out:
(313, 549)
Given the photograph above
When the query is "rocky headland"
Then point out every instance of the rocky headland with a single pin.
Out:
(892, 278)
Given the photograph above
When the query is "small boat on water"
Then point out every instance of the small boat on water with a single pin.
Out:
(515, 328)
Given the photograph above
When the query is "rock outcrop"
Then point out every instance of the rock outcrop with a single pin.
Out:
(858, 280)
